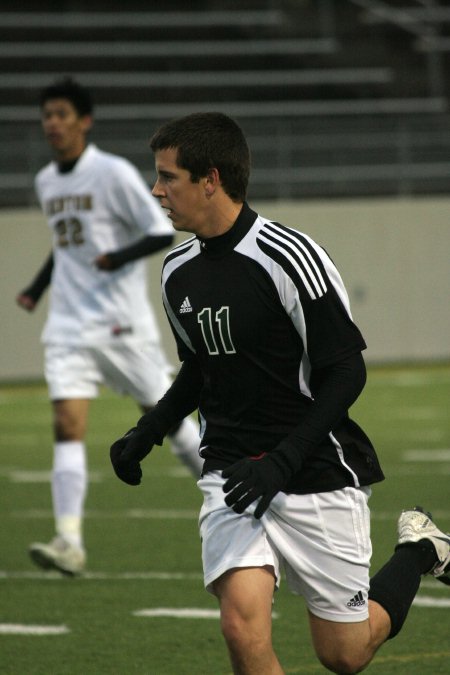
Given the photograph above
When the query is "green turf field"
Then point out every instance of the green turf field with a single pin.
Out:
(144, 551)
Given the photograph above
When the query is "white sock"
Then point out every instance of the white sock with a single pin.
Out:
(69, 486)
(185, 443)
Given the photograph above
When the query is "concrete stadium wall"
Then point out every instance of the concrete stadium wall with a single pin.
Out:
(392, 253)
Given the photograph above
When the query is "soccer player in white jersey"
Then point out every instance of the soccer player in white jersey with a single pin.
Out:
(100, 327)
(272, 360)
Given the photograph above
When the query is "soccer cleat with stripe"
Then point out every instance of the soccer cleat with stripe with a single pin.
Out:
(414, 526)
(59, 555)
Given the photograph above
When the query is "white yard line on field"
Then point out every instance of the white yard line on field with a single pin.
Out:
(178, 613)
(104, 576)
(422, 455)
(438, 514)
(45, 477)
(30, 476)
(182, 613)
(29, 629)
(431, 601)
(178, 514)
(416, 470)
(14, 475)
(139, 514)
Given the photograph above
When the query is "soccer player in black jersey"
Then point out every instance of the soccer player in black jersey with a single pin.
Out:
(271, 358)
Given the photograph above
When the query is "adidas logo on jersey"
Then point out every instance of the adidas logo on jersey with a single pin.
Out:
(357, 600)
(185, 306)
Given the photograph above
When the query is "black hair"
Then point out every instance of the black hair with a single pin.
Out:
(69, 89)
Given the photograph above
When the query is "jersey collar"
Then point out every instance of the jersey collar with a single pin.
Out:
(218, 246)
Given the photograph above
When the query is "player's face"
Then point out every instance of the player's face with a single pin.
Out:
(186, 202)
(64, 129)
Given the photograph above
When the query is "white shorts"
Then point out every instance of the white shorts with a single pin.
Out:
(321, 542)
(138, 369)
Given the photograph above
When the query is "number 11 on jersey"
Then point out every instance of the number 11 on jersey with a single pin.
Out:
(221, 326)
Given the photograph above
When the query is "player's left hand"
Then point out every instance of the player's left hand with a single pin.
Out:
(106, 262)
(253, 478)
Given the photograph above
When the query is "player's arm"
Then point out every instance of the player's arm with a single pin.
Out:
(317, 304)
(337, 387)
(30, 296)
(146, 246)
(180, 400)
(131, 202)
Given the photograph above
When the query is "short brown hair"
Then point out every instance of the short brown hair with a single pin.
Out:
(205, 141)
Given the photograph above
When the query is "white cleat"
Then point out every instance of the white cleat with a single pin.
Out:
(416, 525)
(60, 555)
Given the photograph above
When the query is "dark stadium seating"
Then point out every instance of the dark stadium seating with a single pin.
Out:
(337, 97)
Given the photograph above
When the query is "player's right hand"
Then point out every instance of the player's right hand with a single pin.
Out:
(127, 453)
(26, 302)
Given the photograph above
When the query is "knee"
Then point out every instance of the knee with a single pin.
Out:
(240, 635)
(233, 628)
(345, 663)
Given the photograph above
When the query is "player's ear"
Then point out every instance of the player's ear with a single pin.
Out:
(212, 181)
(87, 122)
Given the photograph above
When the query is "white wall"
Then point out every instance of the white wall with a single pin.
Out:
(393, 255)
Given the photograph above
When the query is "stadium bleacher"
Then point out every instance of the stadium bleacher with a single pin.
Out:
(338, 98)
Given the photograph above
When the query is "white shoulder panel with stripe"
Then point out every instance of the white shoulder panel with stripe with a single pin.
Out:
(287, 248)
(297, 253)
(287, 290)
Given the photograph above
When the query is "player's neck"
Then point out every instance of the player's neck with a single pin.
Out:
(69, 154)
(67, 167)
(221, 219)
(66, 161)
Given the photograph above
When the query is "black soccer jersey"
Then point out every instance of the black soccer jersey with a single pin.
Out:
(260, 309)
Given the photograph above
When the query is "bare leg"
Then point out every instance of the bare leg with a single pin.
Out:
(70, 419)
(245, 597)
(347, 648)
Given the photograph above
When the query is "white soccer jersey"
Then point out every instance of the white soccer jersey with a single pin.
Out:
(100, 206)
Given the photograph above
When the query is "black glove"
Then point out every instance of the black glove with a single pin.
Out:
(253, 478)
(127, 453)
